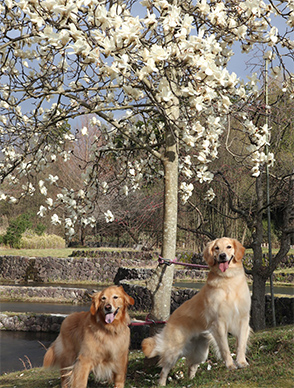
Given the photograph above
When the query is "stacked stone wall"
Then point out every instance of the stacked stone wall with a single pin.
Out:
(106, 268)
(70, 269)
(44, 294)
(51, 323)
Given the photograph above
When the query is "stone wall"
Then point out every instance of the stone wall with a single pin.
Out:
(44, 294)
(70, 269)
(125, 273)
(31, 322)
(103, 270)
(51, 323)
(284, 311)
(107, 268)
(143, 302)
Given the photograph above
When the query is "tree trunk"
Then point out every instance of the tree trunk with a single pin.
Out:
(259, 279)
(258, 302)
(287, 226)
(161, 281)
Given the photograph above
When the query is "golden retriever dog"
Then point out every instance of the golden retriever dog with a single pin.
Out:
(222, 306)
(95, 341)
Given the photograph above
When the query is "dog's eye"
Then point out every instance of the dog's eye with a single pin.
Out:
(229, 247)
(103, 298)
(115, 297)
(216, 248)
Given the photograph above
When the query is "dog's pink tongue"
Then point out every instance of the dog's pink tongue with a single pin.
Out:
(223, 266)
(109, 318)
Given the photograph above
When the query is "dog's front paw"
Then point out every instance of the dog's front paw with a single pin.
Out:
(242, 364)
(192, 371)
(231, 366)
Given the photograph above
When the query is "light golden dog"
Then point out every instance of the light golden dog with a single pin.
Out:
(97, 341)
(222, 306)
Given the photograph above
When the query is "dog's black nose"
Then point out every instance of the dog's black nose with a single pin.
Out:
(108, 307)
(223, 257)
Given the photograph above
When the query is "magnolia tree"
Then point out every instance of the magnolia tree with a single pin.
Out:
(153, 77)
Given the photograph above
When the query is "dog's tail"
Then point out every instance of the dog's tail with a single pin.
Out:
(50, 358)
(149, 347)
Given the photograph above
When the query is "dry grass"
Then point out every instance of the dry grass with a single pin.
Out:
(46, 241)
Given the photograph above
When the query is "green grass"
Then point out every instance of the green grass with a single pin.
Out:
(270, 354)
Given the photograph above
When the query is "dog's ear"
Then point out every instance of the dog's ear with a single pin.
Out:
(128, 299)
(95, 303)
(208, 254)
(239, 250)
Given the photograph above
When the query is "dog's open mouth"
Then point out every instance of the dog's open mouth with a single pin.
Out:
(224, 265)
(109, 317)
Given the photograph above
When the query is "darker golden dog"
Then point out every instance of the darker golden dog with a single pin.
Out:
(222, 306)
(97, 341)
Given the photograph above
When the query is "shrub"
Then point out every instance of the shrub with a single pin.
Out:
(46, 241)
(16, 228)
(40, 229)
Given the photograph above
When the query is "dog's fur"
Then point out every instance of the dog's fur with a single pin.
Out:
(222, 306)
(97, 341)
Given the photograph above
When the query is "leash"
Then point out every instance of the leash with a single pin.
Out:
(175, 261)
(148, 321)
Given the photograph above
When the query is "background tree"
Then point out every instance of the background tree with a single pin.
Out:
(164, 70)
(240, 205)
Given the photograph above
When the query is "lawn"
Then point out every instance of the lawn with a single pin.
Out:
(270, 354)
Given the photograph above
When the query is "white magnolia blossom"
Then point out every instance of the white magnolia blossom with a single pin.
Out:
(42, 211)
(92, 221)
(186, 191)
(260, 137)
(84, 131)
(203, 175)
(125, 190)
(70, 232)
(52, 179)
(49, 202)
(3, 197)
(68, 222)
(187, 172)
(42, 187)
(109, 217)
(81, 193)
(104, 186)
(28, 188)
(255, 171)
(55, 219)
(210, 195)
(127, 71)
